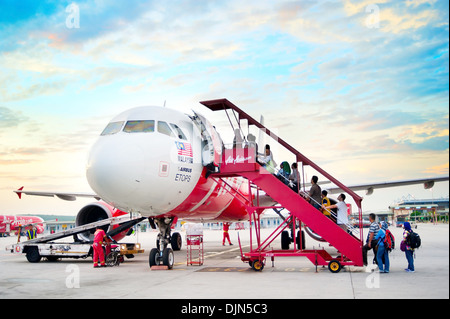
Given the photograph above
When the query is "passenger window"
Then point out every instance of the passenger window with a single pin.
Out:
(147, 126)
(112, 128)
(165, 129)
(178, 130)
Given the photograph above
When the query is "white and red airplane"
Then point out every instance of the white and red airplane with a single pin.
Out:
(9, 223)
(162, 172)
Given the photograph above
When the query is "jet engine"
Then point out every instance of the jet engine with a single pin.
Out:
(428, 185)
(96, 212)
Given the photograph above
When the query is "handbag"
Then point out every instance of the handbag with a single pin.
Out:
(403, 245)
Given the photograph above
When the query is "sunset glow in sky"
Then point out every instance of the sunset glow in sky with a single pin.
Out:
(359, 87)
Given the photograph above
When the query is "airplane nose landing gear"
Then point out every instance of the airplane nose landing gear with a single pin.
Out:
(164, 255)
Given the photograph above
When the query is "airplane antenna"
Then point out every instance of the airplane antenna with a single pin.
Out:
(164, 103)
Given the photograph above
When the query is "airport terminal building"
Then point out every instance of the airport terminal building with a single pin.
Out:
(421, 210)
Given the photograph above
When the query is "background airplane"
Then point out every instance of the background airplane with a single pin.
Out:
(9, 223)
(158, 162)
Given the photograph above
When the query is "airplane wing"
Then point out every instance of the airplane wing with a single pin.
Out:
(63, 196)
(369, 188)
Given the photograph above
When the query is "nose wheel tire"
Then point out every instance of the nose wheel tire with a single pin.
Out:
(153, 258)
(167, 258)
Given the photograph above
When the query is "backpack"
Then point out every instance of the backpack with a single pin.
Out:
(414, 240)
(389, 241)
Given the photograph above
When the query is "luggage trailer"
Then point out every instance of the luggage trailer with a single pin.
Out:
(47, 247)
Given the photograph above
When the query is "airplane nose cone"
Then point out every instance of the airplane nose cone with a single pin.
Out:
(114, 173)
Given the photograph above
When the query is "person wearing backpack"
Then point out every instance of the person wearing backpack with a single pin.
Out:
(370, 241)
(383, 251)
(409, 251)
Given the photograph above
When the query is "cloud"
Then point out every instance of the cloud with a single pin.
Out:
(27, 151)
(113, 40)
(385, 120)
(20, 92)
(10, 119)
(397, 22)
(312, 53)
(398, 16)
(4, 162)
(416, 3)
(439, 143)
(438, 170)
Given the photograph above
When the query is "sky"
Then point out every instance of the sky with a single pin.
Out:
(359, 87)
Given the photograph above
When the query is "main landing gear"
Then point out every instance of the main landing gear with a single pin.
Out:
(163, 255)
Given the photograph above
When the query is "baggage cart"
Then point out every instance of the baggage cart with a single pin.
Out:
(194, 244)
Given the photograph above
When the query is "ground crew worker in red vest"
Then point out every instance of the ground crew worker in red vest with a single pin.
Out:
(99, 239)
(226, 227)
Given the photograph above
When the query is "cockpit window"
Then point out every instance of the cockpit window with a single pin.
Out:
(146, 126)
(112, 128)
(164, 128)
(178, 130)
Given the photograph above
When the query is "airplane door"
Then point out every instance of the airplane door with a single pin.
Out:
(212, 150)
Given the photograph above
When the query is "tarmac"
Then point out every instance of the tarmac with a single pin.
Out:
(223, 276)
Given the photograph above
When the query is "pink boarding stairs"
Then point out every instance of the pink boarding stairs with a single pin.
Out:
(242, 162)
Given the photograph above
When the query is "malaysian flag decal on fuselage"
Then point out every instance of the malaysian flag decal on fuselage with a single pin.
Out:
(184, 149)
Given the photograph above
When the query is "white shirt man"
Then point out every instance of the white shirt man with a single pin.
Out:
(342, 217)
